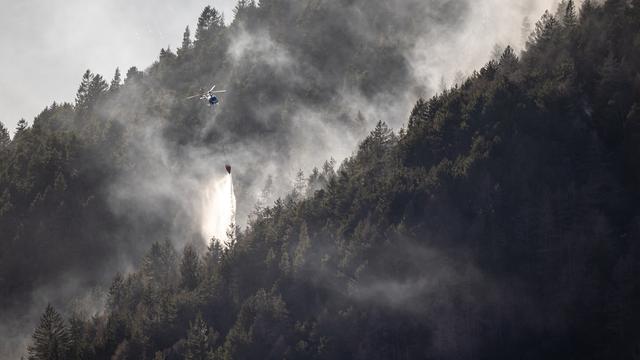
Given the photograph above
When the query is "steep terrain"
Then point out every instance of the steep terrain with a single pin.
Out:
(500, 223)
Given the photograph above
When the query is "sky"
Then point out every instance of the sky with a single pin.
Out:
(48, 44)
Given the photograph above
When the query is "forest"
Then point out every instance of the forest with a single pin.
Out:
(499, 222)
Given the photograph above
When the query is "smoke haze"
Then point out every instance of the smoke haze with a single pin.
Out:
(269, 133)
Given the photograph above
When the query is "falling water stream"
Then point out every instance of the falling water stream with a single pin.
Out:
(218, 208)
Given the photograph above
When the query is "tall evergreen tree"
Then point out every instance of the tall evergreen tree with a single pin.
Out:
(82, 95)
(133, 75)
(115, 82)
(186, 42)
(200, 340)
(51, 340)
(97, 88)
(21, 127)
(5, 139)
(213, 256)
(204, 21)
(159, 266)
(116, 292)
(544, 30)
(209, 21)
(570, 18)
(189, 268)
(240, 10)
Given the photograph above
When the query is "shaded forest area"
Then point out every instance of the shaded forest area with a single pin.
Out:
(59, 176)
(500, 223)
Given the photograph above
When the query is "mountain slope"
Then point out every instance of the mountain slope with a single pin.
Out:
(500, 223)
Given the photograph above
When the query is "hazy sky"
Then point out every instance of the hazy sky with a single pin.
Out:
(48, 44)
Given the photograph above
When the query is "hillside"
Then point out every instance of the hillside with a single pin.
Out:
(499, 223)
(89, 186)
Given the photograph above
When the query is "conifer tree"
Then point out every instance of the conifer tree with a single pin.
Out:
(299, 185)
(133, 75)
(116, 292)
(82, 95)
(210, 20)
(239, 9)
(214, 254)
(159, 266)
(5, 139)
(200, 340)
(97, 87)
(570, 18)
(51, 340)
(21, 127)
(115, 82)
(508, 60)
(186, 42)
(189, 268)
(204, 21)
(544, 29)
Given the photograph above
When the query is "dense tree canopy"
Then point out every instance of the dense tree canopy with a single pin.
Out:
(499, 223)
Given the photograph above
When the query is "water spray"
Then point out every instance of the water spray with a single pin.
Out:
(218, 207)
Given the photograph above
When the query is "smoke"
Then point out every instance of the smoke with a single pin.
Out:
(466, 48)
(218, 208)
(273, 132)
(439, 43)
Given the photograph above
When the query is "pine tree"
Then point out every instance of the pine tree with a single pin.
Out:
(116, 292)
(21, 127)
(587, 9)
(200, 340)
(51, 340)
(508, 60)
(300, 185)
(570, 17)
(214, 254)
(133, 75)
(544, 30)
(159, 266)
(97, 87)
(166, 55)
(82, 95)
(115, 82)
(210, 20)
(189, 268)
(204, 21)
(78, 340)
(240, 9)
(186, 42)
(5, 139)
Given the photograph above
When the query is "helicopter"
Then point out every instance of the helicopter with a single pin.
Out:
(210, 96)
